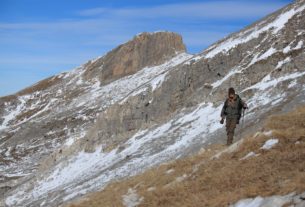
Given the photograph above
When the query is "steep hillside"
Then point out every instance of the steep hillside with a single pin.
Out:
(268, 163)
(40, 124)
(134, 108)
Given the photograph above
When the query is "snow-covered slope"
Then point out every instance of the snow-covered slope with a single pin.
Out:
(93, 97)
(73, 133)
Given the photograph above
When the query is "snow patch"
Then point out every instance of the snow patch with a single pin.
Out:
(297, 47)
(263, 98)
(121, 89)
(221, 81)
(292, 84)
(268, 82)
(156, 82)
(79, 81)
(59, 92)
(193, 60)
(287, 49)
(249, 155)
(203, 120)
(43, 203)
(277, 101)
(263, 56)
(247, 35)
(256, 202)
(96, 59)
(151, 189)
(270, 144)
(230, 149)
(283, 62)
(83, 160)
(61, 75)
(264, 202)
(19, 174)
(14, 199)
(7, 153)
(170, 171)
(132, 199)
(267, 54)
(69, 141)
(181, 178)
(11, 114)
(268, 133)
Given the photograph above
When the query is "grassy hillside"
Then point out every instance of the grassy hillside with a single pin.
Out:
(219, 175)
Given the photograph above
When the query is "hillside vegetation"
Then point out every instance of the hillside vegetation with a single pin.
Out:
(270, 162)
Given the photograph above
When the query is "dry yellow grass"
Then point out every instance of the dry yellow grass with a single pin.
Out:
(219, 182)
(41, 85)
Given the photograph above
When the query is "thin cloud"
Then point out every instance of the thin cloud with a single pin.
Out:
(210, 10)
(62, 25)
(93, 12)
(29, 60)
(58, 45)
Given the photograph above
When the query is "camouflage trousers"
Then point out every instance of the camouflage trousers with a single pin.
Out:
(230, 127)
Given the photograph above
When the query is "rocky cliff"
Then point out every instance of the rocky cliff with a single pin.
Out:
(142, 104)
(144, 50)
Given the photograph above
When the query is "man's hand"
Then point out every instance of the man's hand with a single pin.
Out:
(245, 106)
(222, 121)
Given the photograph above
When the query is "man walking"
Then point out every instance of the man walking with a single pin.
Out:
(231, 111)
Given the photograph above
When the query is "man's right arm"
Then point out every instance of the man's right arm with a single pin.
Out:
(223, 110)
(222, 114)
(245, 106)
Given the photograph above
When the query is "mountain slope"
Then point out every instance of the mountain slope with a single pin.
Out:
(41, 123)
(73, 133)
(267, 163)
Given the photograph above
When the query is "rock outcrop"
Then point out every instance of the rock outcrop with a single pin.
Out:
(144, 50)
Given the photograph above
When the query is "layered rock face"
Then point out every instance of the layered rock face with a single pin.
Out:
(142, 104)
(145, 50)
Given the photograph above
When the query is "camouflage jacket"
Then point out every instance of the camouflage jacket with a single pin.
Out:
(233, 109)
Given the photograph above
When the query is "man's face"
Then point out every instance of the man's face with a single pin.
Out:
(231, 96)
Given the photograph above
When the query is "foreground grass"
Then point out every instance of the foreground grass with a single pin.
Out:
(204, 180)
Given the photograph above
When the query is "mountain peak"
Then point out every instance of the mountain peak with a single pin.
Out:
(145, 49)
